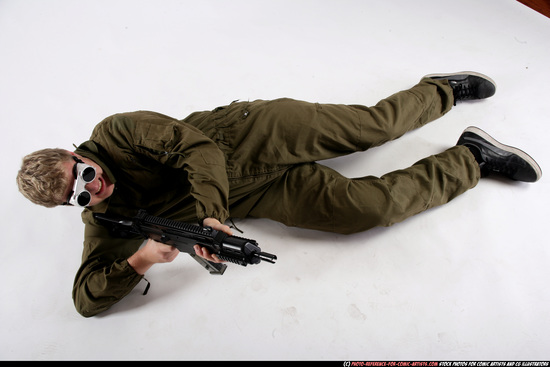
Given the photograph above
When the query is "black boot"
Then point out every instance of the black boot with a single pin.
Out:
(468, 85)
(494, 157)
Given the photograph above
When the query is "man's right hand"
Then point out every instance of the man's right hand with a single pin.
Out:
(152, 253)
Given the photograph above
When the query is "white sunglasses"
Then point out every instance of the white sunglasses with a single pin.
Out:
(83, 175)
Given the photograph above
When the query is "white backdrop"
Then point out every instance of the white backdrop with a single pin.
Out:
(465, 281)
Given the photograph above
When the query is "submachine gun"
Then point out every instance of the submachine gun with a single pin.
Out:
(184, 236)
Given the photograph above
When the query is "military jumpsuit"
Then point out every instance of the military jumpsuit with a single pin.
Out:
(259, 159)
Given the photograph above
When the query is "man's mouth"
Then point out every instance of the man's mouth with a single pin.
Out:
(100, 181)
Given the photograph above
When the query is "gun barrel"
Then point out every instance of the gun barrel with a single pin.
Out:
(270, 258)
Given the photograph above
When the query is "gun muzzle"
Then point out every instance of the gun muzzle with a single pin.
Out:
(270, 258)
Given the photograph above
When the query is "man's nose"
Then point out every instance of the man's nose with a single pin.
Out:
(92, 186)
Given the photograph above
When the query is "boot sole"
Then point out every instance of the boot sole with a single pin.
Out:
(518, 152)
(442, 75)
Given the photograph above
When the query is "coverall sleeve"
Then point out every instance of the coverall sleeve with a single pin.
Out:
(104, 277)
(178, 145)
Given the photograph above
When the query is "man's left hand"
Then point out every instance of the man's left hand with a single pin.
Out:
(216, 225)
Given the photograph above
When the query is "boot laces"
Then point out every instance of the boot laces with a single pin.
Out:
(464, 91)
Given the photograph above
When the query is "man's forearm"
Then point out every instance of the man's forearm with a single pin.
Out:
(152, 253)
(139, 262)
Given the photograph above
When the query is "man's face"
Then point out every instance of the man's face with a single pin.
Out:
(100, 187)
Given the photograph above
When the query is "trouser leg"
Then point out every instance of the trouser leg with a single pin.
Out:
(285, 131)
(404, 111)
(316, 197)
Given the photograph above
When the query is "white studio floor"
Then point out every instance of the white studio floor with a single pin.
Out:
(467, 281)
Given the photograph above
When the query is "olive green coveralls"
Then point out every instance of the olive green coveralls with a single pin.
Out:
(258, 159)
(289, 187)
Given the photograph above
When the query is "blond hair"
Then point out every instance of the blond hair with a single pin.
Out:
(42, 178)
